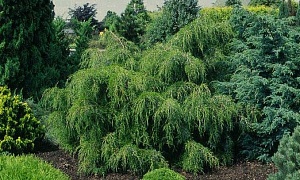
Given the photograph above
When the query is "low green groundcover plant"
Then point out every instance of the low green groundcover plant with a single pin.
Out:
(27, 167)
(163, 174)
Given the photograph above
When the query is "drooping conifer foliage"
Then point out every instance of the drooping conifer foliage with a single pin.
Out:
(132, 110)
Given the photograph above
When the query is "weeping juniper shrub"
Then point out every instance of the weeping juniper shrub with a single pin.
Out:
(127, 110)
(171, 65)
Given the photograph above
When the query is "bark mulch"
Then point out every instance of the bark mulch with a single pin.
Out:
(240, 171)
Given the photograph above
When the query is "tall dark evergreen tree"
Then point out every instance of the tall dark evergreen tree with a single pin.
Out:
(283, 9)
(134, 21)
(26, 40)
(298, 14)
(233, 2)
(176, 14)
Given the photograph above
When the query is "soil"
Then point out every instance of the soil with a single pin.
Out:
(240, 171)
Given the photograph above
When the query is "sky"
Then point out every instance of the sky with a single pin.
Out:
(62, 6)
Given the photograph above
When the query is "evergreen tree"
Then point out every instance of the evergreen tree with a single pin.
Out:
(283, 10)
(134, 21)
(275, 3)
(298, 14)
(233, 2)
(26, 37)
(176, 14)
(112, 21)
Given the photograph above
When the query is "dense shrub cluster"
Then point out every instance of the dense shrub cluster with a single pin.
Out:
(266, 57)
(123, 111)
(189, 90)
(19, 129)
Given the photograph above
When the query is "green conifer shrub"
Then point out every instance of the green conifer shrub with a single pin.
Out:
(19, 129)
(127, 110)
(163, 174)
(134, 20)
(286, 158)
(266, 61)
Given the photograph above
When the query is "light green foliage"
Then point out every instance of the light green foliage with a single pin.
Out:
(175, 15)
(131, 157)
(196, 156)
(18, 127)
(163, 174)
(286, 158)
(171, 65)
(208, 119)
(132, 110)
(205, 34)
(28, 167)
(207, 38)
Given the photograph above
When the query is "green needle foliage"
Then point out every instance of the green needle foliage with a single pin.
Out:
(207, 38)
(233, 2)
(175, 15)
(31, 56)
(275, 3)
(19, 129)
(197, 156)
(134, 20)
(127, 110)
(163, 174)
(287, 157)
(267, 65)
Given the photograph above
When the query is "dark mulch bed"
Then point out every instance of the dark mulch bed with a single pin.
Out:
(245, 170)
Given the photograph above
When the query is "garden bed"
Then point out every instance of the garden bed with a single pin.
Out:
(243, 170)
